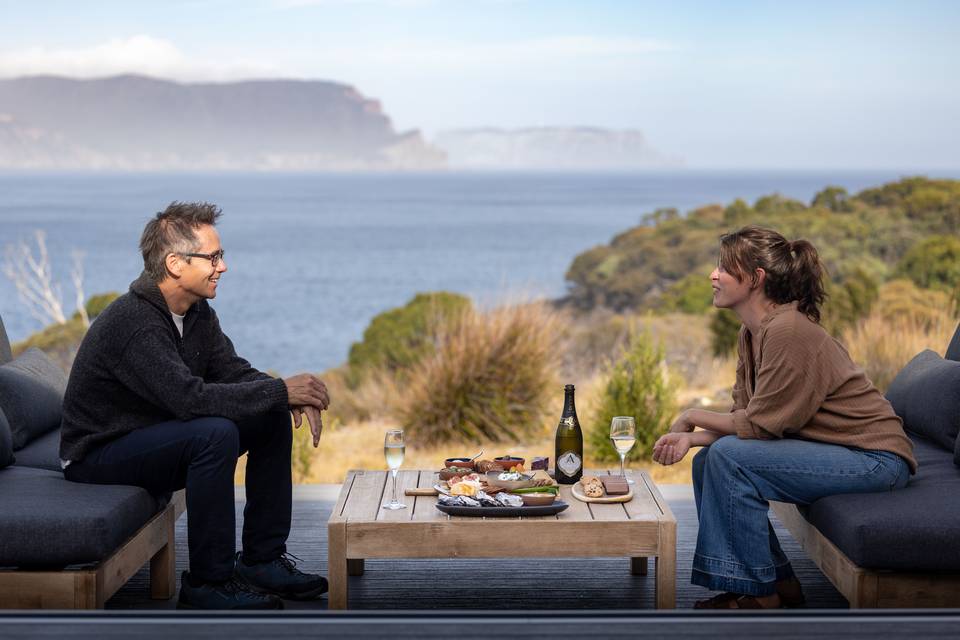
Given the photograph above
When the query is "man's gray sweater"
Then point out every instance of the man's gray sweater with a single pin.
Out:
(133, 370)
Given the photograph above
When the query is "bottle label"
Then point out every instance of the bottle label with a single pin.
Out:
(569, 463)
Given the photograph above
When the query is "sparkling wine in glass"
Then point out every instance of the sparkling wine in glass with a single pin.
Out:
(623, 433)
(393, 449)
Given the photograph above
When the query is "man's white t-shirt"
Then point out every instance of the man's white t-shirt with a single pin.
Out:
(178, 320)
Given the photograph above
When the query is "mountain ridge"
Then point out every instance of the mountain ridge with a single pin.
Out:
(135, 122)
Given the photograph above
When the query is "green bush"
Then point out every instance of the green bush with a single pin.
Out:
(933, 263)
(692, 294)
(399, 338)
(849, 301)
(97, 303)
(724, 332)
(636, 385)
(834, 198)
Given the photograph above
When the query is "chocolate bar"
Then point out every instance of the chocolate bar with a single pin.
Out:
(539, 462)
(615, 485)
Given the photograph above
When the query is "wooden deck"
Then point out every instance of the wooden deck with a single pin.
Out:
(493, 584)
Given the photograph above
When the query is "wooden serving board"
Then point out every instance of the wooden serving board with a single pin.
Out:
(577, 492)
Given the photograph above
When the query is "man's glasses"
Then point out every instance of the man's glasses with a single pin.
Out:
(214, 257)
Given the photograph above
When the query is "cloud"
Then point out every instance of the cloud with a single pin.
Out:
(141, 54)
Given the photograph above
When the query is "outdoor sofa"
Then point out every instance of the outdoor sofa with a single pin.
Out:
(65, 545)
(899, 548)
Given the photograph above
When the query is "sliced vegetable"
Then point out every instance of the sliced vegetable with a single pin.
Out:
(547, 489)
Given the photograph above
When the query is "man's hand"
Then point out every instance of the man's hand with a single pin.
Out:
(671, 448)
(682, 424)
(306, 389)
(313, 417)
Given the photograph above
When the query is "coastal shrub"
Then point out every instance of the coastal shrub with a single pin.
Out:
(97, 303)
(724, 332)
(834, 198)
(849, 301)
(489, 378)
(636, 384)
(933, 263)
(397, 339)
(59, 341)
(692, 294)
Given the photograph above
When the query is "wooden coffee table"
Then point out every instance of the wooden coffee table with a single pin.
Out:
(359, 528)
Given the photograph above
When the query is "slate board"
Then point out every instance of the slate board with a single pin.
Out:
(504, 512)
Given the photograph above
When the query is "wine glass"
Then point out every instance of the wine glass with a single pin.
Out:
(623, 433)
(393, 448)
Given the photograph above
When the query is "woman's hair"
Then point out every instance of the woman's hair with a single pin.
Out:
(794, 270)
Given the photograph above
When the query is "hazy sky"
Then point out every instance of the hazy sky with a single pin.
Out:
(773, 84)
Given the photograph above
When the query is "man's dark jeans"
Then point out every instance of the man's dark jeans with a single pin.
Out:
(201, 456)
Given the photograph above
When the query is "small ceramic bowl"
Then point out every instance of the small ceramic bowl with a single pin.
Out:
(508, 461)
(446, 475)
(493, 479)
(459, 462)
(538, 499)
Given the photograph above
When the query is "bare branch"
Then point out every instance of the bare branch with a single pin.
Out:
(76, 274)
(32, 277)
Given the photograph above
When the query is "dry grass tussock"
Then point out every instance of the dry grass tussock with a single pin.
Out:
(882, 343)
(489, 379)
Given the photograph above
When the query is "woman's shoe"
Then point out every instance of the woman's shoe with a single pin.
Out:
(790, 592)
(722, 601)
(735, 601)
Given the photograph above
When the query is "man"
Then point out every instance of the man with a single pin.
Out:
(158, 398)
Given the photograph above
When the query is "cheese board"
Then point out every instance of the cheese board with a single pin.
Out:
(577, 492)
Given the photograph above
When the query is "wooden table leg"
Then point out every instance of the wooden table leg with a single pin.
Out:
(666, 566)
(163, 565)
(337, 565)
(355, 566)
(638, 566)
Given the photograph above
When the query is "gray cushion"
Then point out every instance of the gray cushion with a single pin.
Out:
(6, 442)
(5, 355)
(926, 394)
(953, 351)
(914, 529)
(31, 395)
(42, 453)
(50, 521)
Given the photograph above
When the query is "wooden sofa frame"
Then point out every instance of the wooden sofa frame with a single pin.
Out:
(91, 587)
(864, 588)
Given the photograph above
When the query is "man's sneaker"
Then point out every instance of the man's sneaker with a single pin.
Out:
(231, 594)
(280, 577)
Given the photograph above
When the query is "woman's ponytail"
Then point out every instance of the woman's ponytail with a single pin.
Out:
(807, 279)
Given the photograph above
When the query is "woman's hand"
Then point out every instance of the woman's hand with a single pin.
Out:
(682, 424)
(671, 448)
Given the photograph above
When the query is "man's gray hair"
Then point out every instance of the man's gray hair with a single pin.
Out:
(173, 230)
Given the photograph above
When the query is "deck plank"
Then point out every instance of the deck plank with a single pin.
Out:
(535, 584)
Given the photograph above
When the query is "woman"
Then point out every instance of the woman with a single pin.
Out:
(806, 423)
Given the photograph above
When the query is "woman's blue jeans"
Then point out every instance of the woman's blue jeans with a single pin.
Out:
(733, 480)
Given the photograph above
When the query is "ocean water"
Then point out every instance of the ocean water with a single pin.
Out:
(312, 258)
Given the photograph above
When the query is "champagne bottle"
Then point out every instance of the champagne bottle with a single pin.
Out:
(569, 443)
